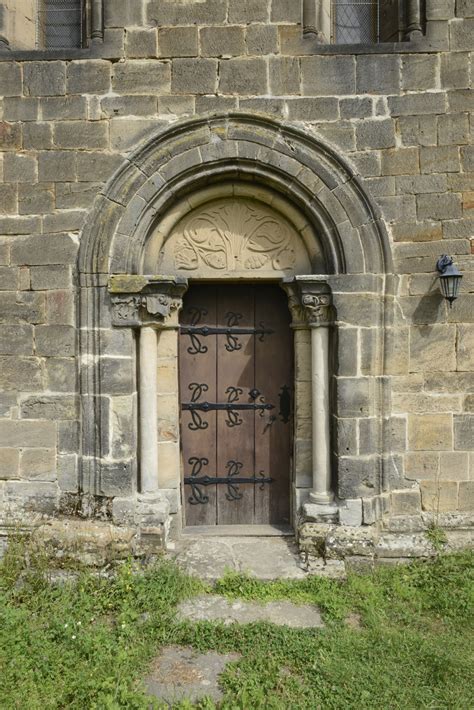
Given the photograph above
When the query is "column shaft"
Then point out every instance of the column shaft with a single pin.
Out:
(148, 384)
(321, 492)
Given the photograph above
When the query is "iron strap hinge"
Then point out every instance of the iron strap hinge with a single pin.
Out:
(210, 480)
(228, 406)
(207, 330)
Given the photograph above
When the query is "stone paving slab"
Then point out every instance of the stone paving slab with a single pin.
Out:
(266, 558)
(281, 613)
(183, 673)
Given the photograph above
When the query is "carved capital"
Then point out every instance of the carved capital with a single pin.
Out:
(156, 304)
(310, 303)
(317, 309)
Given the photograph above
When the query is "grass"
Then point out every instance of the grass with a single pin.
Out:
(87, 643)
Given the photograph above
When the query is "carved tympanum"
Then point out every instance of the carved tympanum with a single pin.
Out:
(233, 235)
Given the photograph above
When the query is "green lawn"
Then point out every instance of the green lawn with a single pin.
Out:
(87, 644)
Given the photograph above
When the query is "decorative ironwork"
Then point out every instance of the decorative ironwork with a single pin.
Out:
(231, 331)
(285, 404)
(254, 393)
(196, 347)
(233, 480)
(231, 406)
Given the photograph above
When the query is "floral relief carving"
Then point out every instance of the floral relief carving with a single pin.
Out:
(234, 236)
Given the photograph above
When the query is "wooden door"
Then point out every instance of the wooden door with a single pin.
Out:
(236, 391)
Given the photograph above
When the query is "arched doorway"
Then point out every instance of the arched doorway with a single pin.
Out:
(135, 269)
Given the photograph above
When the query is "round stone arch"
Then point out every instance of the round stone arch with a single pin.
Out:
(325, 200)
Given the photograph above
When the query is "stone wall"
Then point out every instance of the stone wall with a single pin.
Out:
(401, 115)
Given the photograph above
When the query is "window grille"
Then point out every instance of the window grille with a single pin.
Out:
(60, 24)
(355, 22)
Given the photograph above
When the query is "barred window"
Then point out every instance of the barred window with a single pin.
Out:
(60, 24)
(355, 21)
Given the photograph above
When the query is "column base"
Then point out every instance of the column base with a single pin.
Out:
(315, 513)
(321, 498)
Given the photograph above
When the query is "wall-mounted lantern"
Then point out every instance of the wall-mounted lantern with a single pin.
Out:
(449, 277)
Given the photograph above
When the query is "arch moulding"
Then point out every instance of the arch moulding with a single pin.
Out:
(341, 255)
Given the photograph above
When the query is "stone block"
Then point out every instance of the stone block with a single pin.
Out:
(461, 33)
(118, 478)
(421, 184)
(55, 340)
(416, 104)
(464, 432)
(243, 77)
(222, 41)
(430, 432)
(178, 42)
(68, 437)
(20, 373)
(348, 348)
(317, 109)
(141, 77)
(375, 134)
(88, 77)
(50, 277)
(432, 347)
(346, 436)
(27, 307)
(16, 340)
(32, 496)
(141, 43)
(168, 465)
(400, 161)
(44, 78)
(35, 198)
(61, 374)
(393, 206)
(442, 159)
(9, 463)
(50, 407)
(96, 166)
(10, 79)
(439, 496)
(194, 77)
(37, 136)
(246, 11)
(357, 477)
(8, 199)
(67, 473)
(57, 166)
(453, 129)
(60, 307)
(123, 415)
(378, 74)
(81, 134)
(328, 76)
(284, 76)
(123, 13)
(439, 206)
(20, 109)
(455, 70)
(341, 133)
(10, 136)
(19, 168)
(350, 512)
(465, 347)
(466, 495)
(467, 157)
(45, 249)
(419, 71)
(38, 464)
(286, 11)
(418, 130)
(405, 502)
(454, 466)
(168, 12)
(176, 106)
(261, 39)
(117, 375)
(8, 278)
(369, 436)
(417, 231)
(64, 107)
(354, 396)
(27, 434)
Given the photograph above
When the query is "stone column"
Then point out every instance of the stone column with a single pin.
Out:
(148, 393)
(149, 304)
(318, 309)
(414, 29)
(97, 21)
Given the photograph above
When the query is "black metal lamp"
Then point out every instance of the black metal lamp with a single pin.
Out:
(449, 277)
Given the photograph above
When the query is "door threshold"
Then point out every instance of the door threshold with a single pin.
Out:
(239, 531)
